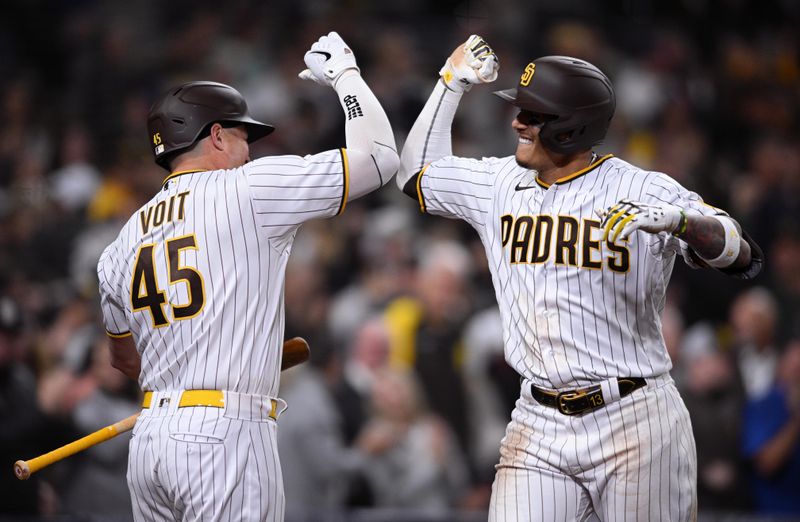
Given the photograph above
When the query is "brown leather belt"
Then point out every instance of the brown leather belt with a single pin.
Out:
(582, 400)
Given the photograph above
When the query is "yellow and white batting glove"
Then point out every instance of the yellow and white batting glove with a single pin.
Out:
(626, 217)
(471, 63)
(328, 59)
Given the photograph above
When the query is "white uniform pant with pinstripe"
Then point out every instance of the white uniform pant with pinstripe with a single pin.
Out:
(202, 463)
(633, 460)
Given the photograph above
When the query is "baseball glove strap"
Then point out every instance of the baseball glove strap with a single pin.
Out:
(582, 400)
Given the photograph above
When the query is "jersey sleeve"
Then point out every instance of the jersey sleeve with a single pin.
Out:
(458, 188)
(111, 297)
(287, 191)
(664, 189)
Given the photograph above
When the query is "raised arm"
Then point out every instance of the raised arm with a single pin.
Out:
(371, 153)
(429, 139)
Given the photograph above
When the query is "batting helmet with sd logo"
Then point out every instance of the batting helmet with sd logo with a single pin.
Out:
(574, 98)
(183, 114)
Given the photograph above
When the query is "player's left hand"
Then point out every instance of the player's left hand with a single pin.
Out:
(328, 58)
(624, 218)
(472, 62)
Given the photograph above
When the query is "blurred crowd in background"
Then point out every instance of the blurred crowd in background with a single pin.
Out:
(406, 397)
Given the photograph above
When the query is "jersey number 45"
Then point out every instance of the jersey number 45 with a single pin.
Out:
(145, 292)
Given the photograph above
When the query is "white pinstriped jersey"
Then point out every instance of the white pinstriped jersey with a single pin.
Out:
(197, 274)
(576, 310)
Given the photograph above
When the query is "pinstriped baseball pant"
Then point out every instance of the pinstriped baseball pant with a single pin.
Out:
(200, 463)
(633, 460)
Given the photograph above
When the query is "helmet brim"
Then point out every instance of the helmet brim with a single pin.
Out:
(257, 130)
(509, 95)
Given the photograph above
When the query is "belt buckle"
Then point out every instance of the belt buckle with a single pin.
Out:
(563, 397)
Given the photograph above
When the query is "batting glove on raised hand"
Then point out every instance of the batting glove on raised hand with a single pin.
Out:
(471, 63)
(328, 58)
(627, 216)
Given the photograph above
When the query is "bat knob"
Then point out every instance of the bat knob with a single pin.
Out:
(22, 470)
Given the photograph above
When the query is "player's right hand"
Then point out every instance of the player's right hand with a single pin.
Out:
(328, 58)
(471, 63)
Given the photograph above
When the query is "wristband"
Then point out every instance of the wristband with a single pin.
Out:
(681, 228)
(733, 242)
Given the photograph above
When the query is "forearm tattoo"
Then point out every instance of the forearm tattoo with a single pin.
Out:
(705, 235)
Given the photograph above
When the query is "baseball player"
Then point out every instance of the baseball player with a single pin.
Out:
(192, 289)
(581, 246)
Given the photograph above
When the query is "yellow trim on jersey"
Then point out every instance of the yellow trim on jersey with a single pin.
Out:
(346, 189)
(574, 175)
(120, 335)
(719, 210)
(420, 198)
(180, 172)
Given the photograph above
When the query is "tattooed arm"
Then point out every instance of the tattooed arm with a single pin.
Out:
(713, 240)
(706, 236)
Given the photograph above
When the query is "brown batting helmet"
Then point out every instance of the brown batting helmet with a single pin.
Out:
(181, 116)
(575, 95)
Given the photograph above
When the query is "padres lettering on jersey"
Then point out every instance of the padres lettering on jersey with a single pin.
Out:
(576, 309)
(196, 275)
(561, 240)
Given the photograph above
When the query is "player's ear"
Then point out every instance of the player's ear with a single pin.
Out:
(216, 135)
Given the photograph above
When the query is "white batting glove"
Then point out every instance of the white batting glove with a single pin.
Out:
(328, 58)
(624, 218)
(471, 63)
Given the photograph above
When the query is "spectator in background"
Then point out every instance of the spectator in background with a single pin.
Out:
(771, 439)
(21, 421)
(416, 461)
(786, 281)
(492, 388)
(714, 399)
(753, 317)
(772, 185)
(101, 469)
(367, 356)
(306, 301)
(426, 329)
(317, 464)
(74, 184)
(385, 247)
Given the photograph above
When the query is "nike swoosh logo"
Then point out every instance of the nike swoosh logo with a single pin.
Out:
(520, 187)
(323, 53)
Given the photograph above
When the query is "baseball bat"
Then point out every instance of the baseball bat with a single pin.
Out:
(295, 351)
